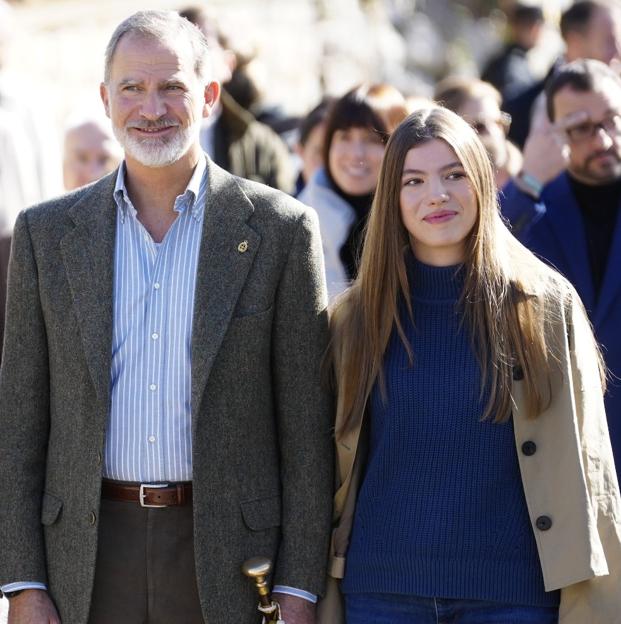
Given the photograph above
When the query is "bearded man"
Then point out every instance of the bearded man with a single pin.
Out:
(160, 398)
(573, 221)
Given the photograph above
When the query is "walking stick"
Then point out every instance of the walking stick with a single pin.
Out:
(257, 569)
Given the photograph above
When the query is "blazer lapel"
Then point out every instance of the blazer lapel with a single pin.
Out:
(566, 224)
(612, 284)
(88, 255)
(227, 251)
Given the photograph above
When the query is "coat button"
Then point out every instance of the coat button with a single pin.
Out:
(529, 448)
(92, 518)
(518, 373)
(543, 523)
(98, 458)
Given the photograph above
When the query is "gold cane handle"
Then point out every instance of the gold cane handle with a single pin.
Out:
(257, 566)
(257, 569)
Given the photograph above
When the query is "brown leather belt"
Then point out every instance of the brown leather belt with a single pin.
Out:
(148, 494)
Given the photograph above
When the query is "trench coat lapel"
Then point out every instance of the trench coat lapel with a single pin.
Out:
(88, 256)
(228, 248)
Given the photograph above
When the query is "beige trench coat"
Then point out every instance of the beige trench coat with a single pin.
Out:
(569, 481)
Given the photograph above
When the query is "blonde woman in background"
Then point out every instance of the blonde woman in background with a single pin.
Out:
(477, 478)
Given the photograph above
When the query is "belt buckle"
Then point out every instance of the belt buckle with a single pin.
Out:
(142, 495)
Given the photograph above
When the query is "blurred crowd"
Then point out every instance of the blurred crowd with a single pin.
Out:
(330, 156)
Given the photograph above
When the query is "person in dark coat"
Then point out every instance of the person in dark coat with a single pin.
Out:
(233, 137)
(509, 71)
(573, 222)
(590, 29)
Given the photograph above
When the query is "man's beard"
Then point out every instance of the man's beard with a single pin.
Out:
(592, 173)
(157, 151)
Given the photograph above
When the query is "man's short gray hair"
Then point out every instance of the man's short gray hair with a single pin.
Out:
(164, 26)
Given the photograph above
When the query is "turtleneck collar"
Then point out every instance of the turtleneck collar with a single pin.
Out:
(434, 283)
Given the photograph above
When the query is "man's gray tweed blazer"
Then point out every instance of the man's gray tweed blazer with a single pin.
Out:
(261, 424)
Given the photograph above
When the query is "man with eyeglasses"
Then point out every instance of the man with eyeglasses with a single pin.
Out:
(572, 222)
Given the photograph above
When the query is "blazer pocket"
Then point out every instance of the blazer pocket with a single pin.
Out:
(261, 513)
(252, 313)
(51, 507)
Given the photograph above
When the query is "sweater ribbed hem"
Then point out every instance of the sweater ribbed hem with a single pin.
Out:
(494, 581)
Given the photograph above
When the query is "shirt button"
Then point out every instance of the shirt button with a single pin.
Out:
(543, 523)
(529, 448)
(152, 387)
(156, 285)
(155, 336)
(151, 438)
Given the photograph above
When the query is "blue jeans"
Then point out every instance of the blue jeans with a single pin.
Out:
(396, 609)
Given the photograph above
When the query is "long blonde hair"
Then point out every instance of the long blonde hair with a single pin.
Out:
(502, 302)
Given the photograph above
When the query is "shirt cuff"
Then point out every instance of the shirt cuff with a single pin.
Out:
(19, 585)
(294, 591)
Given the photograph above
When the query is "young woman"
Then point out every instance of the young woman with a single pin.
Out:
(477, 478)
(357, 128)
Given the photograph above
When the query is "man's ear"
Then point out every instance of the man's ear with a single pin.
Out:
(103, 93)
(211, 95)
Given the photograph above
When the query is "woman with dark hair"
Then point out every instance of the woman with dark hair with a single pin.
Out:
(357, 128)
(477, 477)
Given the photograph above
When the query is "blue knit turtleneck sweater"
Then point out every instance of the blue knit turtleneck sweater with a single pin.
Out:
(441, 511)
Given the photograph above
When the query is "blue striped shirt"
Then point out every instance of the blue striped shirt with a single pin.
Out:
(149, 433)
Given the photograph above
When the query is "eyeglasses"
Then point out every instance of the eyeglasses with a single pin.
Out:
(586, 130)
(481, 125)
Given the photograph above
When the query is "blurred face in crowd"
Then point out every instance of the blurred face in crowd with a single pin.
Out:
(437, 202)
(222, 61)
(602, 38)
(311, 152)
(604, 35)
(90, 152)
(354, 159)
(595, 143)
(155, 100)
(528, 35)
(485, 116)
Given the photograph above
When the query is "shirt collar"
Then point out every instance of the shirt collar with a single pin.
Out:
(187, 199)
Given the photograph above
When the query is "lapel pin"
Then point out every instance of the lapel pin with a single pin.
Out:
(243, 246)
